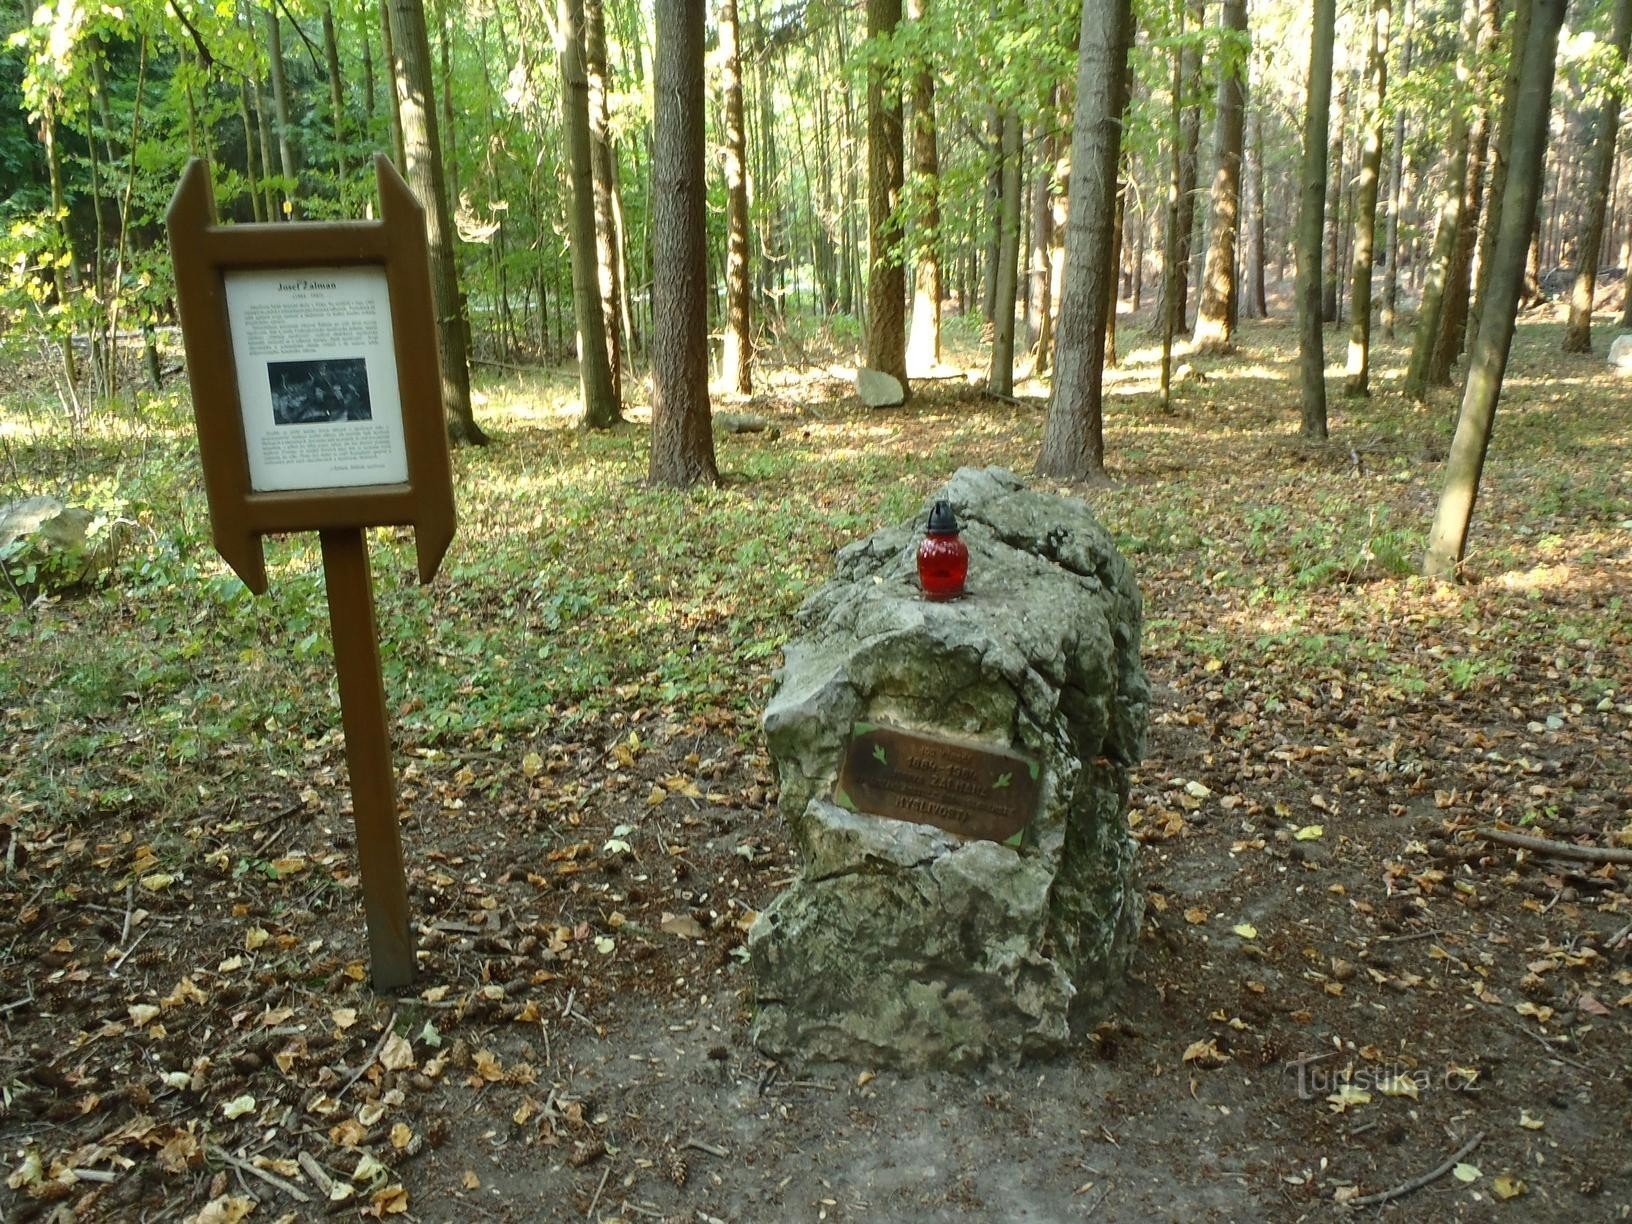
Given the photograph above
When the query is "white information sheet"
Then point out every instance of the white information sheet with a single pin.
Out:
(317, 377)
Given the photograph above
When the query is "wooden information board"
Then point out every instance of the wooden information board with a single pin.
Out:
(312, 355)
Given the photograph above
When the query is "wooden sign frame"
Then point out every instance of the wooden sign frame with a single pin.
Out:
(203, 252)
(328, 329)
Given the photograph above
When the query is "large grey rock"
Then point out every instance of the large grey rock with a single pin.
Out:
(877, 389)
(1620, 353)
(902, 945)
(66, 546)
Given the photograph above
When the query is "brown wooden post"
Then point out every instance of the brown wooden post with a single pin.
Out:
(368, 754)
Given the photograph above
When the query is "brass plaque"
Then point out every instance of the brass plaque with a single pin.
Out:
(984, 793)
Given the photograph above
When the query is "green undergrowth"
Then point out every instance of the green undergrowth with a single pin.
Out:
(573, 592)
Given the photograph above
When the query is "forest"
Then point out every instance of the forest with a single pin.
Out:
(1314, 303)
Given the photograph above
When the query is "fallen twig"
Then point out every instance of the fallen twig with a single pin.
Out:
(369, 1061)
(1558, 849)
(125, 955)
(713, 1149)
(590, 1214)
(1547, 1044)
(319, 1175)
(271, 1179)
(1417, 1183)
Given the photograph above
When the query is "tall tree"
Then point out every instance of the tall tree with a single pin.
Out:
(737, 349)
(1073, 445)
(1311, 222)
(1000, 379)
(1215, 317)
(682, 432)
(1041, 270)
(1453, 315)
(924, 340)
(1188, 101)
(1578, 334)
(1396, 183)
(886, 278)
(411, 72)
(1451, 201)
(1365, 202)
(602, 171)
(602, 408)
(1517, 38)
(280, 102)
(1448, 537)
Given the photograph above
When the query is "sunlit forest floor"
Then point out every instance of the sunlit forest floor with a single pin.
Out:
(1339, 985)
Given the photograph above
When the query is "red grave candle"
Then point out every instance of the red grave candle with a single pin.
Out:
(943, 559)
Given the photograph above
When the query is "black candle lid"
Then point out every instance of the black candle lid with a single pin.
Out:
(941, 519)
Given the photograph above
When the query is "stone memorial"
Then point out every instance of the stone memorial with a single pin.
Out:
(955, 778)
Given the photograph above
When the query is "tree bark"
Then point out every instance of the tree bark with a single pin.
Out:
(1447, 539)
(1332, 271)
(1000, 377)
(1073, 446)
(1215, 317)
(1418, 375)
(1495, 204)
(886, 277)
(1453, 319)
(1578, 333)
(1311, 222)
(1189, 90)
(280, 104)
(601, 163)
(337, 96)
(924, 341)
(602, 407)
(388, 47)
(411, 71)
(1255, 296)
(1365, 204)
(1396, 179)
(682, 452)
(737, 346)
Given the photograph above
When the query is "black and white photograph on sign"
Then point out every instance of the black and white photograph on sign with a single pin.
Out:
(317, 377)
(319, 392)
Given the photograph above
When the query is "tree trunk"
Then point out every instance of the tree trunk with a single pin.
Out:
(737, 347)
(1365, 204)
(411, 70)
(1332, 271)
(1215, 317)
(602, 407)
(388, 48)
(1073, 446)
(1113, 282)
(280, 103)
(682, 434)
(1578, 335)
(1453, 319)
(924, 342)
(886, 278)
(1396, 178)
(1418, 375)
(1000, 378)
(1255, 296)
(1448, 538)
(337, 96)
(1042, 243)
(1173, 261)
(1311, 222)
(601, 163)
(1189, 91)
(1495, 205)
